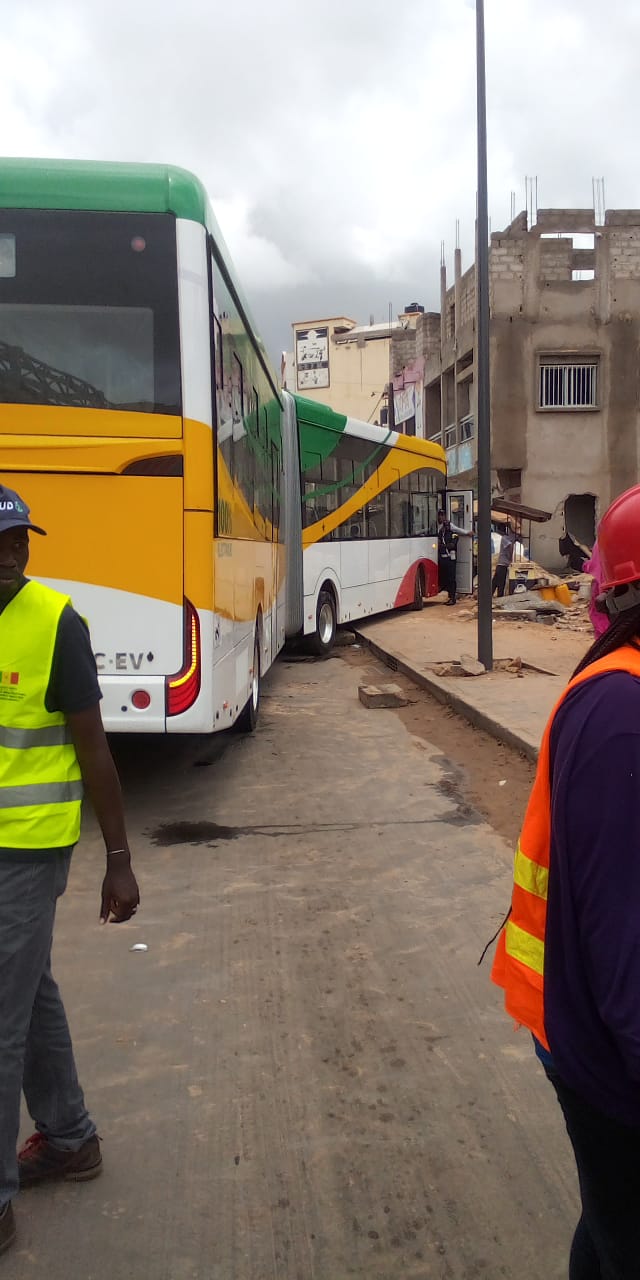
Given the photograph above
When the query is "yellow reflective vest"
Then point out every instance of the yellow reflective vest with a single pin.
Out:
(40, 780)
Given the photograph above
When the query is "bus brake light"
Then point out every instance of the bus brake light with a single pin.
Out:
(183, 688)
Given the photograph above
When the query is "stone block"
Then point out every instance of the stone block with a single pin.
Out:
(383, 695)
(471, 667)
(345, 638)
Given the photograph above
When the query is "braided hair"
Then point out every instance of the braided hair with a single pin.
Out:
(624, 629)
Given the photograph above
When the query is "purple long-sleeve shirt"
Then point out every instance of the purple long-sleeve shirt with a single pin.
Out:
(592, 952)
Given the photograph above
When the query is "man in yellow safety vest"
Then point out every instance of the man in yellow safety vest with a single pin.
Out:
(51, 742)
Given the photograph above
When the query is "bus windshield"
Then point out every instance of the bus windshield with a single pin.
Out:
(89, 310)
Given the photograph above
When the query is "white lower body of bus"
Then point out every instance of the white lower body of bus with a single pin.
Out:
(163, 668)
(346, 580)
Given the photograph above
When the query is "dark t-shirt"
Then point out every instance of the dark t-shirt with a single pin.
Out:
(74, 680)
(592, 951)
(73, 685)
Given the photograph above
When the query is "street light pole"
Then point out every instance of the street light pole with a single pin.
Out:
(485, 637)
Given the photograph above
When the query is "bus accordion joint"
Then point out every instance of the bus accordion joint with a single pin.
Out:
(183, 688)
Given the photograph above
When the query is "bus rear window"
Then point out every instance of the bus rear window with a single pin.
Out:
(89, 310)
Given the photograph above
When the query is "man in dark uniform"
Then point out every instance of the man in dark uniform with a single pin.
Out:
(51, 742)
(448, 535)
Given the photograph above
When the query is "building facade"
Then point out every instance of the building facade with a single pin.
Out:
(565, 357)
(347, 366)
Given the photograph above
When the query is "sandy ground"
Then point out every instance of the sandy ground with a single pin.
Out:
(451, 632)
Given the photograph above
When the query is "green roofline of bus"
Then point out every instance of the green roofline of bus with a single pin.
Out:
(101, 186)
(312, 414)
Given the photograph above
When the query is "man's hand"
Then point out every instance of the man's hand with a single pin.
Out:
(120, 894)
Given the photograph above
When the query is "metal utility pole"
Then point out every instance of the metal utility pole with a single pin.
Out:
(485, 635)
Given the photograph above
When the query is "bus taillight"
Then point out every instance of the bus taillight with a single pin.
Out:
(183, 688)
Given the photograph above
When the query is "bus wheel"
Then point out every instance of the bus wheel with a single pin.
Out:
(326, 625)
(418, 590)
(248, 718)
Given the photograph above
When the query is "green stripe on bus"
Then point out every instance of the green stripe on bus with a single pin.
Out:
(380, 452)
(320, 431)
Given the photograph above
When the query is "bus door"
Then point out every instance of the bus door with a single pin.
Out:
(459, 507)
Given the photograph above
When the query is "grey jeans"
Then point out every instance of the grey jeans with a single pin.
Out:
(35, 1045)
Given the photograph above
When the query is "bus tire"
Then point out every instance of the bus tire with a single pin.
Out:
(322, 641)
(248, 718)
(419, 589)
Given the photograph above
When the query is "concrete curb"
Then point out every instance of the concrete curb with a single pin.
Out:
(433, 685)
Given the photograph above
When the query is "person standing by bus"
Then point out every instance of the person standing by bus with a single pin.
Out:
(505, 557)
(568, 954)
(448, 535)
(51, 741)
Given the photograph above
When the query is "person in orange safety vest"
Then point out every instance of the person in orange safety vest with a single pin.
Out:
(568, 955)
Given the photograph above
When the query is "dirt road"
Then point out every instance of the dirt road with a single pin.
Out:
(306, 1076)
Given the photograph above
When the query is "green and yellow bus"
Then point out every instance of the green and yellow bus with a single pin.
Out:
(141, 420)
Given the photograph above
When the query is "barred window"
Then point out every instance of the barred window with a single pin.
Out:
(571, 385)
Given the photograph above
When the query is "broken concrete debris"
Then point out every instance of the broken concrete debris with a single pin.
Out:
(382, 695)
(471, 666)
(344, 638)
(468, 666)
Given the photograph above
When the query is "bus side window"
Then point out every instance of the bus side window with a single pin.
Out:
(252, 463)
(433, 514)
(420, 513)
(237, 390)
(243, 456)
(225, 421)
(400, 515)
(217, 354)
(377, 513)
(261, 454)
(311, 495)
(355, 527)
(275, 490)
(330, 500)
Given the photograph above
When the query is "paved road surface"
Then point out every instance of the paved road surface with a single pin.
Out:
(306, 1076)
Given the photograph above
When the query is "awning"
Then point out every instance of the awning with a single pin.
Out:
(516, 509)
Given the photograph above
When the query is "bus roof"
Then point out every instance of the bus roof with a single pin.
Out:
(102, 186)
(316, 414)
(105, 187)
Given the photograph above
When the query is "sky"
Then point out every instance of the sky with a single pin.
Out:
(337, 141)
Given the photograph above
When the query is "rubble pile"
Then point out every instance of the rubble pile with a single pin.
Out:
(529, 606)
(553, 601)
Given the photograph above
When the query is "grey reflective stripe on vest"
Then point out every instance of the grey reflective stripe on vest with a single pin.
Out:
(40, 793)
(54, 735)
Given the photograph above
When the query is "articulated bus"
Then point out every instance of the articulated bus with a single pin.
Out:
(196, 514)
(369, 500)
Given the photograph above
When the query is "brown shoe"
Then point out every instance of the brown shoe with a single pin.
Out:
(39, 1161)
(7, 1227)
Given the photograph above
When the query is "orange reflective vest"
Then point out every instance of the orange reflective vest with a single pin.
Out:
(519, 962)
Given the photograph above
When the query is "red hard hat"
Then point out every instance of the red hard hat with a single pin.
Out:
(619, 540)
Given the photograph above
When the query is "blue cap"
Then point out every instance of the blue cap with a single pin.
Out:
(14, 513)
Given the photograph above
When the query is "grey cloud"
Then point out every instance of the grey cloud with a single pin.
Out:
(343, 132)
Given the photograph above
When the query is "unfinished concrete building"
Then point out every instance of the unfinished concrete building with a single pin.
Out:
(565, 349)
